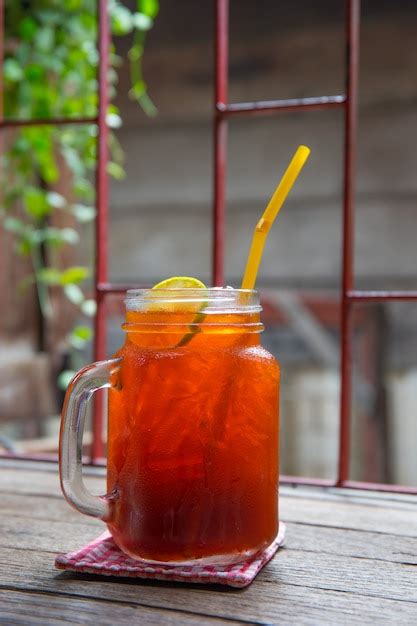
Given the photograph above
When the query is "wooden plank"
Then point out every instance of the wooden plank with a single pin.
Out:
(345, 574)
(264, 601)
(39, 477)
(44, 508)
(26, 533)
(33, 478)
(69, 531)
(382, 514)
(343, 559)
(17, 607)
(341, 572)
(353, 543)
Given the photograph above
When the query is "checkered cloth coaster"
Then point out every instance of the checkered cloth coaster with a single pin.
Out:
(102, 556)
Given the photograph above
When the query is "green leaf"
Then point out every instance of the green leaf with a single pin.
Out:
(34, 72)
(74, 294)
(27, 28)
(36, 236)
(49, 15)
(65, 378)
(73, 160)
(70, 235)
(35, 203)
(147, 105)
(21, 146)
(14, 225)
(76, 343)
(74, 275)
(71, 5)
(90, 50)
(53, 63)
(45, 39)
(56, 237)
(83, 213)
(89, 307)
(116, 170)
(84, 189)
(121, 20)
(79, 336)
(150, 7)
(42, 146)
(141, 21)
(56, 200)
(49, 276)
(48, 169)
(24, 247)
(82, 332)
(113, 120)
(137, 90)
(135, 52)
(30, 238)
(12, 71)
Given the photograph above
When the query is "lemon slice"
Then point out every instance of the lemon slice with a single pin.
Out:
(196, 307)
(163, 301)
(180, 282)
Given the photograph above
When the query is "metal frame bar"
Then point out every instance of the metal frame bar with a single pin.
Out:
(101, 230)
(221, 82)
(50, 121)
(265, 107)
(223, 110)
(379, 296)
(351, 115)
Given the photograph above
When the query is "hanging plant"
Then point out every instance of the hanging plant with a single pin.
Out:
(50, 70)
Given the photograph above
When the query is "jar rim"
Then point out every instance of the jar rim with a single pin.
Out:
(213, 299)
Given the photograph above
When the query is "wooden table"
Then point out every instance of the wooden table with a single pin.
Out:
(350, 557)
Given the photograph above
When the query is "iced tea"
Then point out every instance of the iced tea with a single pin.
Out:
(193, 434)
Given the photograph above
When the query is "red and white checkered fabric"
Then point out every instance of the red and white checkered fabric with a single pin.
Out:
(102, 556)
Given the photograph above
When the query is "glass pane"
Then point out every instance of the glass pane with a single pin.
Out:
(303, 248)
(160, 213)
(384, 427)
(115, 317)
(386, 219)
(49, 197)
(276, 48)
(177, 66)
(301, 330)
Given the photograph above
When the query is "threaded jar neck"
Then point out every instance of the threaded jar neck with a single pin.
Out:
(214, 310)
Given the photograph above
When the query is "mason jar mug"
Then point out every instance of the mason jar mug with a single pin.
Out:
(192, 452)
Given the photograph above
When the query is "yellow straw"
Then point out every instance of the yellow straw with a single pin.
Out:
(264, 225)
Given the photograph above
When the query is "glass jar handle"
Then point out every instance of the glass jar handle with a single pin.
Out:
(81, 388)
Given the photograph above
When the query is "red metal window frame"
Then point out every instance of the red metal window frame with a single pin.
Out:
(223, 111)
